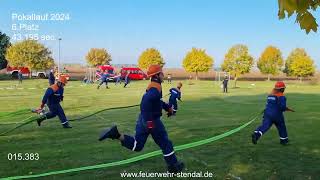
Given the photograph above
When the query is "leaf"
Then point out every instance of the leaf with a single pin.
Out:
(290, 6)
(307, 22)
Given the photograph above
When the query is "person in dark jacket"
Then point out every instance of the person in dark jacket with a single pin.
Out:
(149, 122)
(273, 114)
(225, 84)
(52, 97)
(20, 77)
(51, 78)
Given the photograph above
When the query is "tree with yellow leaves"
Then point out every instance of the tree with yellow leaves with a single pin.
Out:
(98, 56)
(299, 64)
(303, 9)
(237, 61)
(197, 60)
(150, 56)
(31, 54)
(270, 61)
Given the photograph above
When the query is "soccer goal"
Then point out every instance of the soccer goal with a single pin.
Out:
(220, 75)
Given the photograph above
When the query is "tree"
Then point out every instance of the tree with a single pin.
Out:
(150, 56)
(237, 61)
(270, 61)
(98, 56)
(4, 44)
(197, 60)
(31, 54)
(299, 64)
(302, 8)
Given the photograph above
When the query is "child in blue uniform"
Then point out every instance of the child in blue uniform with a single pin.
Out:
(175, 93)
(149, 122)
(104, 79)
(52, 97)
(273, 114)
(126, 80)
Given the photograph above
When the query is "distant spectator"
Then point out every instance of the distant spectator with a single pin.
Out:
(225, 84)
(20, 76)
(169, 78)
(51, 77)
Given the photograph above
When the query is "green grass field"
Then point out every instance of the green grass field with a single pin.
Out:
(204, 112)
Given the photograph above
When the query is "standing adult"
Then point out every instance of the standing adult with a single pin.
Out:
(51, 78)
(225, 84)
(20, 76)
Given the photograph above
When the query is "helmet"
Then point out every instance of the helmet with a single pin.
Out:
(153, 70)
(279, 85)
(179, 84)
(63, 80)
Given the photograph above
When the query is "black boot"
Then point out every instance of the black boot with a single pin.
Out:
(112, 133)
(176, 168)
(66, 125)
(40, 119)
(284, 141)
(98, 87)
(254, 138)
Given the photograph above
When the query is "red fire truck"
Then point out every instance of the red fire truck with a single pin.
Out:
(135, 73)
(25, 72)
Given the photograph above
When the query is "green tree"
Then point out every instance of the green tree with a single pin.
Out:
(98, 56)
(4, 44)
(237, 61)
(197, 60)
(270, 61)
(303, 9)
(150, 56)
(299, 64)
(31, 54)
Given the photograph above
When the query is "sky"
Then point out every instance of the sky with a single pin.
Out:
(125, 28)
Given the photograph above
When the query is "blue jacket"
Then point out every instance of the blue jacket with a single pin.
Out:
(53, 95)
(175, 94)
(104, 76)
(151, 104)
(276, 105)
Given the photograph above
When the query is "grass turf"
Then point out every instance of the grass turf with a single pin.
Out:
(204, 112)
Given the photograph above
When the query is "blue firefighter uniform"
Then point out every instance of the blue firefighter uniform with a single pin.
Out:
(273, 114)
(53, 97)
(149, 122)
(118, 79)
(126, 80)
(104, 79)
(175, 94)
